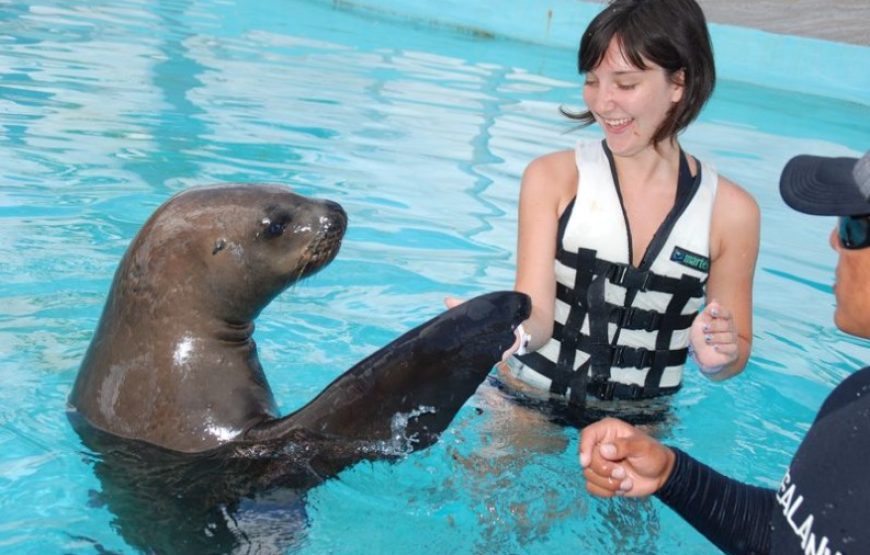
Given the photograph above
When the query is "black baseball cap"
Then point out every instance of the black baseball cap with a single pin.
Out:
(827, 186)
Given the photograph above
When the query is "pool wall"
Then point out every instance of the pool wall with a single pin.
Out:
(805, 65)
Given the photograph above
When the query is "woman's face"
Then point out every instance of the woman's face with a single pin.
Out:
(628, 102)
(852, 289)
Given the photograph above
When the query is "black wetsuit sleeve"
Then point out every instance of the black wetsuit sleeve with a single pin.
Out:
(734, 516)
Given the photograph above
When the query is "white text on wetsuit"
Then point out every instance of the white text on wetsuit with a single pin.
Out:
(791, 503)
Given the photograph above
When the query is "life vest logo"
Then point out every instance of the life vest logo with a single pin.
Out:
(691, 260)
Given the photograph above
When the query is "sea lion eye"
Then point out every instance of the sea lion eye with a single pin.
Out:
(273, 229)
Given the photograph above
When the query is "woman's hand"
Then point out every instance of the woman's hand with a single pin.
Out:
(713, 339)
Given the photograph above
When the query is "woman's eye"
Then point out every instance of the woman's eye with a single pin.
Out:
(627, 86)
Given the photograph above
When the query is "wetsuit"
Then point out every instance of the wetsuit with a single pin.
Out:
(822, 505)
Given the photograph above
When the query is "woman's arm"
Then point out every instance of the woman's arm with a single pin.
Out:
(721, 335)
(549, 183)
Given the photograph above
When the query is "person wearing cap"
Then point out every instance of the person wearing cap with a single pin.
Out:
(821, 504)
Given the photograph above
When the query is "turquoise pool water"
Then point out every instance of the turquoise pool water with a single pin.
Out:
(421, 134)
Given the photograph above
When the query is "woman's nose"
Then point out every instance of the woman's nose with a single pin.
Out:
(602, 99)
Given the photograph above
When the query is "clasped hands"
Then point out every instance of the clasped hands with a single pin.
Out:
(621, 460)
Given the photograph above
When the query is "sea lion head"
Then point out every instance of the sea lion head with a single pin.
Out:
(173, 361)
(230, 249)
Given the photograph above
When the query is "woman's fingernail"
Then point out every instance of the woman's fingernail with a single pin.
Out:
(626, 485)
(608, 450)
(708, 338)
(618, 473)
(715, 312)
(706, 328)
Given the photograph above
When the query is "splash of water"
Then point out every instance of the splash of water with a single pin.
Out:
(401, 442)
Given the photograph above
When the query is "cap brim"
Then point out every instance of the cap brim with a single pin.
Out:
(822, 186)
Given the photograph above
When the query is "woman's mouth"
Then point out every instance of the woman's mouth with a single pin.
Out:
(616, 125)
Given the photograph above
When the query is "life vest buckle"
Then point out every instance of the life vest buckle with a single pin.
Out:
(627, 317)
(617, 355)
(645, 358)
(654, 322)
(617, 273)
(605, 390)
(628, 277)
(635, 392)
(634, 318)
(631, 357)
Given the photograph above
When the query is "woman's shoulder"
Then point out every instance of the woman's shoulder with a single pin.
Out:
(736, 219)
(553, 164)
(551, 178)
(555, 168)
(733, 201)
(735, 192)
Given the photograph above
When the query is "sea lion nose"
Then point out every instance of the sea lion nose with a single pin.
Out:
(335, 220)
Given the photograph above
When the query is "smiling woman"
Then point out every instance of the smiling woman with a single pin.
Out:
(620, 241)
(624, 47)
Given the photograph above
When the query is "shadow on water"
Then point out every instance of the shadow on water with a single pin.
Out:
(234, 499)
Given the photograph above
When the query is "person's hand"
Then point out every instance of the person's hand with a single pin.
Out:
(519, 345)
(619, 459)
(713, 339)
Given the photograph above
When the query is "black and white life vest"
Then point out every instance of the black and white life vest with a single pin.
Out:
(622, 331)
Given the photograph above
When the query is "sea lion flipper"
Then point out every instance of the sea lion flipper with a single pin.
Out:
(428, 373)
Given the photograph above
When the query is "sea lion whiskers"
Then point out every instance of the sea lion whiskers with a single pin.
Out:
(323, 247)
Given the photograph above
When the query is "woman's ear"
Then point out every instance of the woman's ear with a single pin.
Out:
(678, 80)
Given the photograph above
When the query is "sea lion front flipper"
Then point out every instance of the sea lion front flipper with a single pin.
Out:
(426, 375)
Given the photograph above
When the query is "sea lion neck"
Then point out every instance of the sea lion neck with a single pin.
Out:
(235, 332)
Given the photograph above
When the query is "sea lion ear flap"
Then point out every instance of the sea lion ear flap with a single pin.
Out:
(219, 245)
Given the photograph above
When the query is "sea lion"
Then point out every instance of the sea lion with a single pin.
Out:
(248, 495)
(173, 362)
(173, 402)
